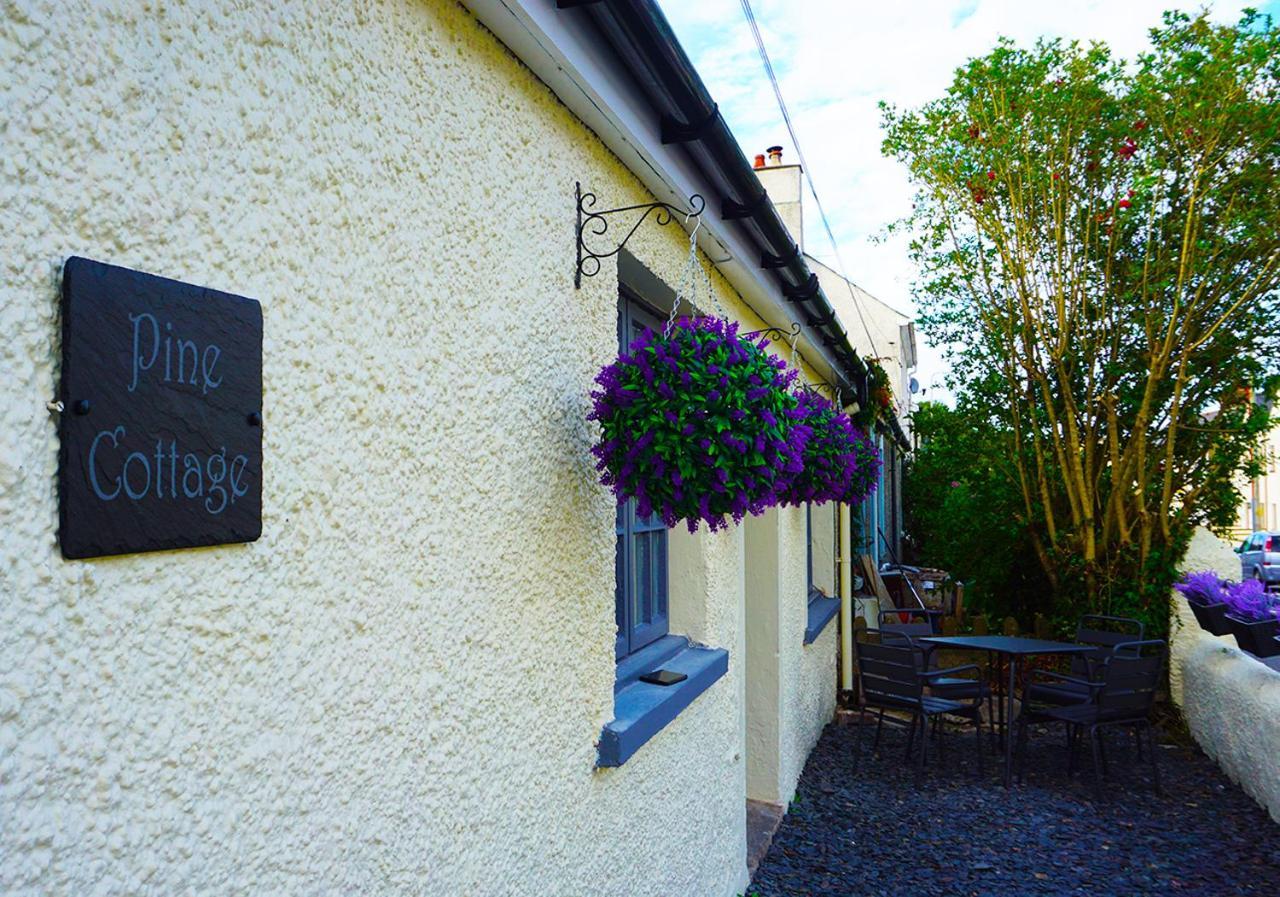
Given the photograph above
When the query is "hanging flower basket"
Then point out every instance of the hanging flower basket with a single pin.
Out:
(839, 462)
(866, 470)
(880, 404)
(695, 424)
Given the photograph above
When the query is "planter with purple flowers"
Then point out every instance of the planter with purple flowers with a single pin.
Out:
(1254, 617)
(696, 424)
(1207, 595)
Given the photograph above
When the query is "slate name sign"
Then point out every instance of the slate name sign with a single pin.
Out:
(161, 428)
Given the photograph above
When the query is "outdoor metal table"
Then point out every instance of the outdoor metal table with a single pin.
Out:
(1014, 647)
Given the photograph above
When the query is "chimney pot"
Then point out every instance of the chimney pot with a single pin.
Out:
(759, 163)
(775, 155)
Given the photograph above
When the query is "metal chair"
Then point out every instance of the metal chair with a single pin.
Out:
(894, 631)
(1066, 689)
(890, 678)
(1123, 698)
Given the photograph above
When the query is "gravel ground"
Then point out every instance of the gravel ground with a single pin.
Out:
(886, 830)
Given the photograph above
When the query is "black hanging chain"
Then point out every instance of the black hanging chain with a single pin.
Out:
(596, 223)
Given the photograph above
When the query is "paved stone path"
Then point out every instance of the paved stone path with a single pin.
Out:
(885, 830)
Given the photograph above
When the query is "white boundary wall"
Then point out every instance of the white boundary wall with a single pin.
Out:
(1230, 699)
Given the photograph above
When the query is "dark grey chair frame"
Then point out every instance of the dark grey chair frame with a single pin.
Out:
(1076, 687)
(1122, 698)
(955, 689)
(890, 678)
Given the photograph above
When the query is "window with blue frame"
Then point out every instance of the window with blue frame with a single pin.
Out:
(640, 562)
(822, 607)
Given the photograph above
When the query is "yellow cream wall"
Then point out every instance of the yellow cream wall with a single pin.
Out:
(400, 686)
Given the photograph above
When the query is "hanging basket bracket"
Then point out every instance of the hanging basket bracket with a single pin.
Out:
(593, 223)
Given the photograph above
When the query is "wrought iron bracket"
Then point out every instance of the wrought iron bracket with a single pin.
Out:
(777, 334)
(822, 386)
(596, 224)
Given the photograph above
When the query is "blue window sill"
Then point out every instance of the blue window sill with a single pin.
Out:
(822, 610)
(641, 709)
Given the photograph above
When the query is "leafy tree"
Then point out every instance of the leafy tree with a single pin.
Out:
(961, 504)
(1099, 242)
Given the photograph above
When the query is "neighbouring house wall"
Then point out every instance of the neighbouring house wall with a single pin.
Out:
(1260, 497)
(1230, 699)
(399, 688)
(873, 326)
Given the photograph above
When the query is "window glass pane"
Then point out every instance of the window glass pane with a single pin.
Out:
(660, 573)
(619, 579)
(643, 603)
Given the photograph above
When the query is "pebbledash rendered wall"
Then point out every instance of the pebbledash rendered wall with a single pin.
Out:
(399, 688)
(790, 686)
(1230, 699)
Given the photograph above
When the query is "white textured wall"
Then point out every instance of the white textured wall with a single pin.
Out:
(1231, 701)
(763, 649)
(790, 686)
(399, 687)
(807, 673)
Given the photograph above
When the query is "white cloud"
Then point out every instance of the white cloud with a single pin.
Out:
(836, 60)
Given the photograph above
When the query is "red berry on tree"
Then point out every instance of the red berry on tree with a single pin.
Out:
(1124, 203)
(991, 175)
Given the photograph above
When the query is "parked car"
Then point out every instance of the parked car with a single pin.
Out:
(1260, 559)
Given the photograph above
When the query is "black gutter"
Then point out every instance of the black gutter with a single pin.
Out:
(641, 38)
(899, 435)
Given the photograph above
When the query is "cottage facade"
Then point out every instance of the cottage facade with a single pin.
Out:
(419, 679)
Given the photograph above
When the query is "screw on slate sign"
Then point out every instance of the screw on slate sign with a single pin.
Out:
(255, 419)
(81, 407)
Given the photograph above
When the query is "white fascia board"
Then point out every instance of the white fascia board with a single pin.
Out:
(566, 55)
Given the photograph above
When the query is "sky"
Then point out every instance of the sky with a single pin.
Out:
(837, 59)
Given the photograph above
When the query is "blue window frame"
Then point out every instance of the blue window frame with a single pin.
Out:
(640, 561)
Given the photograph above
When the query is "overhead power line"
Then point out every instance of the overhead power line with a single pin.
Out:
(808, 173)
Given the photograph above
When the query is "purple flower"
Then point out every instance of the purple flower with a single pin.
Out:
(652, 408)
(1202, 588)
(1249, 601)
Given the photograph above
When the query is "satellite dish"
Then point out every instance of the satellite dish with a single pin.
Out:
(914, 385)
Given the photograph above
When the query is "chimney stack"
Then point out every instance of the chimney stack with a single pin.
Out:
(782, 182)
(759, 163)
